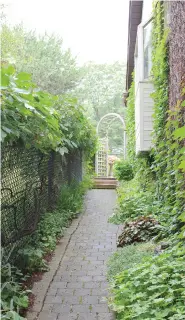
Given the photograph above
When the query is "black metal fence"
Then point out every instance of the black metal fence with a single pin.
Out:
(31, 184)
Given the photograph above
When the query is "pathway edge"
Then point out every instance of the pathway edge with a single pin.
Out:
(40, 288)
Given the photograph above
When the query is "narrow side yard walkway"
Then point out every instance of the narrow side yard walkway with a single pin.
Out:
(79, 287)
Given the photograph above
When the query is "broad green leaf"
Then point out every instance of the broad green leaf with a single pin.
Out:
(180, 133)
(183, 103)
(182, 217)
(182, 165)
(5, 81)
(23, 76)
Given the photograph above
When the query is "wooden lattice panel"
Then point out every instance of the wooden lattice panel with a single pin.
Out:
(102, 159)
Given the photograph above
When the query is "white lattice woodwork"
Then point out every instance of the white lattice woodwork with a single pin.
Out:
(102, 159)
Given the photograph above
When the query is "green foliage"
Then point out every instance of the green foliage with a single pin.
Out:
(154, 289)
(53, 69)
(100, 91)
(51, 227)
(41, 119)
(133, 202)
(123, 170)
(101, 88)
(139, 230)
(13, 296)
(127, 256)
(168, 128)
(164, 166)
(31, 259)
(130, 124)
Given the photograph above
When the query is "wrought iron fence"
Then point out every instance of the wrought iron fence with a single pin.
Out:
(30, 185)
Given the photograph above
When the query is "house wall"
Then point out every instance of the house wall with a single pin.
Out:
(176, 49)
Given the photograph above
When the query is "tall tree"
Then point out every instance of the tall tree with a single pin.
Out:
(101, 91)
(101, 88)
(53, 68)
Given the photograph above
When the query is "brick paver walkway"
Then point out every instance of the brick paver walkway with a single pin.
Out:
(79, 287)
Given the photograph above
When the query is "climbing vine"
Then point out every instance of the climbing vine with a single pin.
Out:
(166, 162)
(130, 124)
(155, 289)
(167, 146)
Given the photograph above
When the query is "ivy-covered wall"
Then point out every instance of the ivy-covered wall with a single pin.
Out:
(176, 50)
(165, 161)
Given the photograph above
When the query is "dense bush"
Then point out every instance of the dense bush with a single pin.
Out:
(154, 289)
(133, 202)
(139, 230)
(123, 170)
(126, 257)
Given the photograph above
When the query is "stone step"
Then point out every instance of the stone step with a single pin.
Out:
(105, 183)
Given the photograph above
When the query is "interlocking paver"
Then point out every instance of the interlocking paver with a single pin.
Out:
(79, 288)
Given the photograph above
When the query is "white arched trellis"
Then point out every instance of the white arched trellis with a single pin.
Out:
(111, 118)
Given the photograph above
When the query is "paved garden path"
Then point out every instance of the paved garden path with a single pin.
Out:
(79, 287)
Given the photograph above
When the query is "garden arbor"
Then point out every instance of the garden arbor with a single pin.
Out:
(101, 165)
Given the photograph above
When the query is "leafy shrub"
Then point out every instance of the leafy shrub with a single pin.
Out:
(154, 289)
(140, 230)
(134, 202)
(134, 206)
(123, 170)
(127, 256)
(13, 296)
(51, 227)
(41, 119)
(31, 259)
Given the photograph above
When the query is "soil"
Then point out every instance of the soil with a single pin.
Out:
(35, 277)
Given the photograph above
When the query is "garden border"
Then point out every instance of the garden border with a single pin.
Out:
(40, 288)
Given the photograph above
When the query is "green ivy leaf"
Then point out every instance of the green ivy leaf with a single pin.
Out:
(183, 103)
(23, 76)
(182, 165)
(180, 133)
(5, 81)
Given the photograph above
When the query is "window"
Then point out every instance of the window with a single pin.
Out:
(143, 52)
(147, 48)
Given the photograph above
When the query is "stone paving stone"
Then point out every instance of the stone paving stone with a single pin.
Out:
(87, 316)
(47, 316)
(105, 316)
(79, 288)
(69, 316)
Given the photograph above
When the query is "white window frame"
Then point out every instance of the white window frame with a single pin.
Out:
(139, 51)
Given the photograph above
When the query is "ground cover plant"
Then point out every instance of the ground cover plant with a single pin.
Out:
(13, 296)
(154, 289)
(127, 256)
(134, 202)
